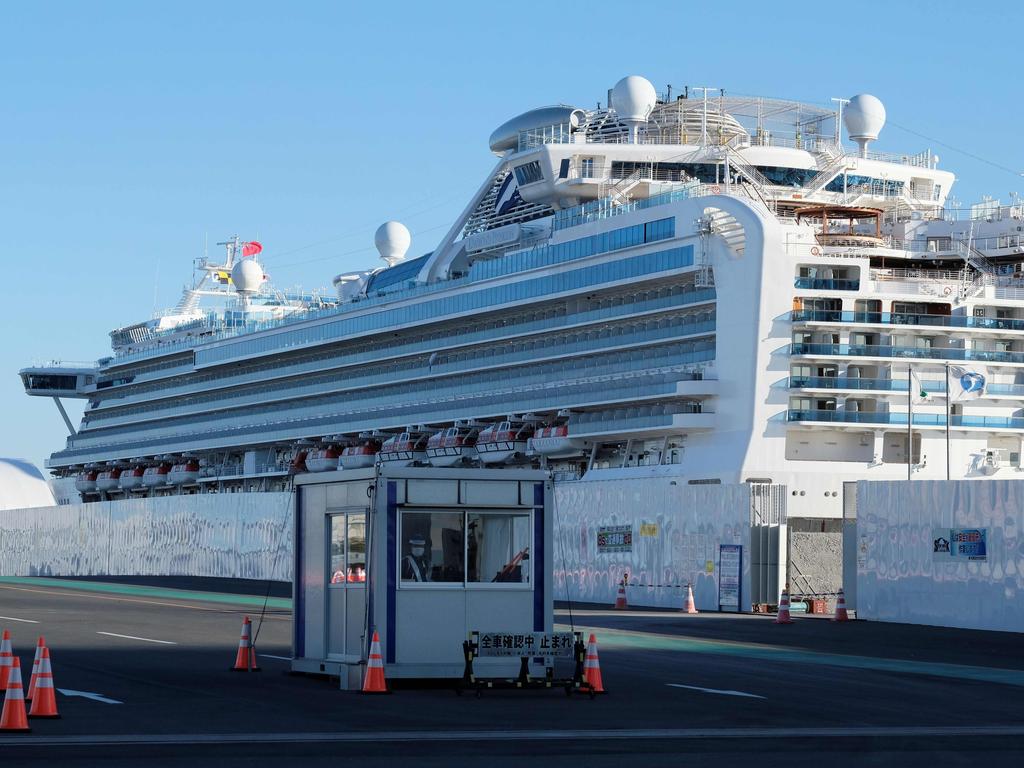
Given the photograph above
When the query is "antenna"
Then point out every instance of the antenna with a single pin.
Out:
(704, 113)
(839, 120)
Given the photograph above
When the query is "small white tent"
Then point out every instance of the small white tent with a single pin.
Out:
(23, 485)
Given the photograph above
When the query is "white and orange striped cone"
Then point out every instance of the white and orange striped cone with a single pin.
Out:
(245, 659)
(592, 668)
(6, 658)
(374, 681)
(690, 606)
(620, 598)
(35, 668)
(784, 617)
(841, 612)
(13, 717)
(45, 702)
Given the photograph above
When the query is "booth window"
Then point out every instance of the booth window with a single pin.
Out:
(497, 548)
(348, 549)
(433, 547)
(465, 548)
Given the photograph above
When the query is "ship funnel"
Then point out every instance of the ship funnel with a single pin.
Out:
(392, 241)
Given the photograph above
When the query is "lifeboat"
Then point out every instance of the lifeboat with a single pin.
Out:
(155, 476)
(184, 472)
(131, 478)
(555, 443)
(322, 460)
(452, 446)
(108, 479)
(403, 449)
(502, 442)
(358, 456)
(86, 481)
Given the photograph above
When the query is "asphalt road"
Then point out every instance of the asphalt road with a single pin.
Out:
(704, 690)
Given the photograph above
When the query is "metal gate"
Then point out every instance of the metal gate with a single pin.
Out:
(767, 542)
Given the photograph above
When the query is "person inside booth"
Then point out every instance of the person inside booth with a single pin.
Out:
(416, 563)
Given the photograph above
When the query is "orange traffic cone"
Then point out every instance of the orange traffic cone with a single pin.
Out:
(592, 668)
(13, 717)
(783, 617)
(374, 681)
(45, 702)
(6, 658)
(245, 659)
(35, 668)
(620, 598)
(841, 614)
(690, 607)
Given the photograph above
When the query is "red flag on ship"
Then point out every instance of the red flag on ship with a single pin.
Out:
(251, 249)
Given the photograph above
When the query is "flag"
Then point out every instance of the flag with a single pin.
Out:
(224, 278)
(967, 383)
(251, 249)
(918, 394)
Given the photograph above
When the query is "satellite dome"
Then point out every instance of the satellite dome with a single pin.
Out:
(247, 275)
(392, 241)
(864, 118)
(633, 98)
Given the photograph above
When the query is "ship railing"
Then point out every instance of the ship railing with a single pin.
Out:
(931, 275)
(89, 364)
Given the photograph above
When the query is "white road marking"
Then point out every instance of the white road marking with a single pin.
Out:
(133, 637)
(89, 695)
(716, 690)
(11, 618)
(271, 656)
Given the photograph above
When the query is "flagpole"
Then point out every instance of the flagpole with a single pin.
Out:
(910, 418)
(948, 419)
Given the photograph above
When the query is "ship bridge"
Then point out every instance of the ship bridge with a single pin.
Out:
(59, 379)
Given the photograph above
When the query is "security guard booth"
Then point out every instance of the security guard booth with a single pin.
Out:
(424, 556)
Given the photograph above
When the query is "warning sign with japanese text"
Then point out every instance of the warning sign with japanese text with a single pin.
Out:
(547, 644)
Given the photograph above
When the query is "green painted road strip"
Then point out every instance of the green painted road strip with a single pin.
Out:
(136, 590)
(651, 641)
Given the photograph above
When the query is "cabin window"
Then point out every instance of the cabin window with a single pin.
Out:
(529, 173)
(497, 548)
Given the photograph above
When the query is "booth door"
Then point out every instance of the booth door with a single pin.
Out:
(346, 592)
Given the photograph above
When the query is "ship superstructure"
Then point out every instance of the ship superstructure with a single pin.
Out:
(708, 286)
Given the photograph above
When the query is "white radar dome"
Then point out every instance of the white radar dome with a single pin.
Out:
(864, 118)
(247, 275)
(633, 98)
(392, 241)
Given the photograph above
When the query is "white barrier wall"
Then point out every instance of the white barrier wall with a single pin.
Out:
(234, 535)
(676, 530)
(909, 568)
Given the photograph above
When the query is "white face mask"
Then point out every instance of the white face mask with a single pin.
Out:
(417, 551)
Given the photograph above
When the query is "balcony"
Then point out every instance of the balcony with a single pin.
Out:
(826, 284)
(890, 318)
(920, 419)
(925, 353)
(891, 385)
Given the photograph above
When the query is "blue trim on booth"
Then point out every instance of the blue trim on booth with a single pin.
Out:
(538, 557)
(298, 584)
(392, 545)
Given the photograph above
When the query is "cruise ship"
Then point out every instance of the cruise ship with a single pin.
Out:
(694, 284)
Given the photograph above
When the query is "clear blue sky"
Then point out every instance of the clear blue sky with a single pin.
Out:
(130, 131)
